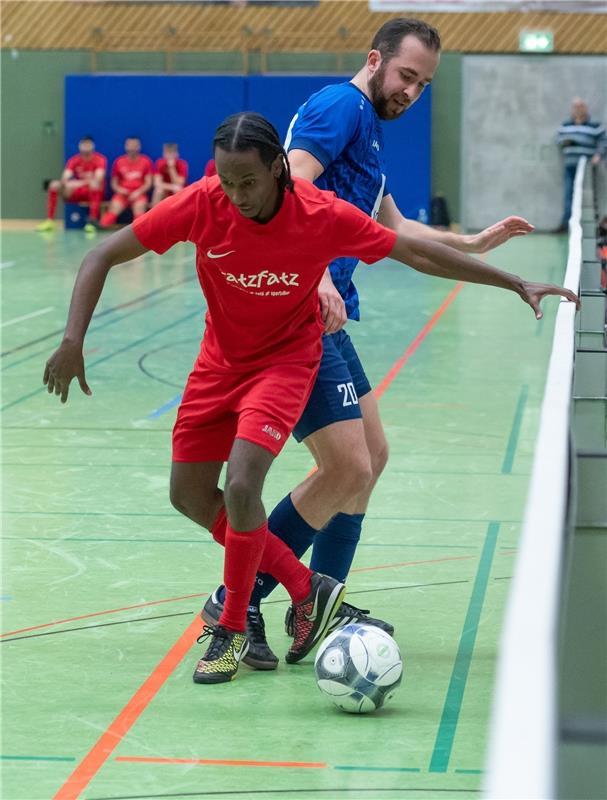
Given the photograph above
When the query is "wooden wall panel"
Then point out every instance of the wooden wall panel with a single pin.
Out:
(332, 26)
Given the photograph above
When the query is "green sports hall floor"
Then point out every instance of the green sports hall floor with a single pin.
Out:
(103, 580)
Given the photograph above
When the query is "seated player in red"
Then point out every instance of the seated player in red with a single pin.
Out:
(263, 241)
(170, 173)
(82, 181)
(131, 182)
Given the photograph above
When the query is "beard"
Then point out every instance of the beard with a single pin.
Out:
(379, 99)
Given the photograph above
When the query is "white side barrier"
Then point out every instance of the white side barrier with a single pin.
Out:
(523, 732)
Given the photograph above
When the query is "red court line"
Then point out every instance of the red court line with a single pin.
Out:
(99, 613)
(398, 365)
(222, 762)
(413, 563)
(130, 713)
(96, 758)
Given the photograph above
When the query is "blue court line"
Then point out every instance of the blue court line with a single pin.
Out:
(37, 758)
(459, 675)
(515, 431)
(6, 597)
(174, 401)
(379, 769)
(110, 355)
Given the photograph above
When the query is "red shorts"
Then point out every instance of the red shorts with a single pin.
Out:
(123, 200)
(261, 407)
(81, 194)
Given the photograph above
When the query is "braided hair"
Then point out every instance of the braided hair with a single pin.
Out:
(250, 131)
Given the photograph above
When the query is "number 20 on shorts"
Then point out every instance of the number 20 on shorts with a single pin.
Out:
(350, 398)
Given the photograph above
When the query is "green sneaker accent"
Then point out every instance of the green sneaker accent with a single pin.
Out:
(47, 225)
(220, 662)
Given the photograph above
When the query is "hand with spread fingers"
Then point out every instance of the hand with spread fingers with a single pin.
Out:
(497, 234)
(65, 364)
(534, 293)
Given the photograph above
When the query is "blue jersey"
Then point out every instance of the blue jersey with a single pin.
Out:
(339, 126)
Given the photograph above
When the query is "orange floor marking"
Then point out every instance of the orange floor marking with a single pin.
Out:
(223, 762)
(112, 736)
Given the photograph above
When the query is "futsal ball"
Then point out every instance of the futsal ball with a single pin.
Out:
(359, 668)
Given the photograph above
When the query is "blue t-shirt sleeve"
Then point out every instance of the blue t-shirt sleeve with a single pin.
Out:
(326, 124)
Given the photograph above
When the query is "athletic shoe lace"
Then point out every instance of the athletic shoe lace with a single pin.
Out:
(256, 628)
(220, 640)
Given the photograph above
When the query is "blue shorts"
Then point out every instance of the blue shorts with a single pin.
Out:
(341, 380)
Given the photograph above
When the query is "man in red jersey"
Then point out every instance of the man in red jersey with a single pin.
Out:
(131, 182)
(262, 244)
(170, 173)
(82, 181)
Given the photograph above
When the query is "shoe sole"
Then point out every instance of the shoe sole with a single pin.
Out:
(249, 660)
(330, 610)
(265, 666)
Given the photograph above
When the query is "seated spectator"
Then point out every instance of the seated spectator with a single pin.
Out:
(131, 182)
(82, 181)
(170, 173)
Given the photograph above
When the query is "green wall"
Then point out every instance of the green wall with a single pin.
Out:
(447, 131)
(32, 111)
(32, 125)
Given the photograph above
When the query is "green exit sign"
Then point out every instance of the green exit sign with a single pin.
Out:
(536, 42)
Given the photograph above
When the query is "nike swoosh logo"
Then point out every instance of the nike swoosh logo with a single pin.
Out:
(210, 254)
(312, 617)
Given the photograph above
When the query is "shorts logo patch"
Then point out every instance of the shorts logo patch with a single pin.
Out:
(272, 432)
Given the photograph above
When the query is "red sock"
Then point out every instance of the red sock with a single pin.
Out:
(51, 203)
(218, 531)
(96, 197)
(280, 562)
(108, 219)
(243, 554)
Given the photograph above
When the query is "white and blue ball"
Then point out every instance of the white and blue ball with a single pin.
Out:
(359, 668)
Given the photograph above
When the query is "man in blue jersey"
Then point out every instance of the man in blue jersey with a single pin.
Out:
(336, 141)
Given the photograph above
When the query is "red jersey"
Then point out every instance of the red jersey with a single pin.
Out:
(210, 168)
(161, 168)
(261, 280)
(131, 172)
(84, 168)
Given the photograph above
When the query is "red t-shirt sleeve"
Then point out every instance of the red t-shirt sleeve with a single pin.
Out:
(149, 167)
(71, 162)
(183, 168)
(356, 234)
(158, 166)
(116, 168)
(173, 219)
(100, 162)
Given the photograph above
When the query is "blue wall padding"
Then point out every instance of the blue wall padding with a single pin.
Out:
(187, 109)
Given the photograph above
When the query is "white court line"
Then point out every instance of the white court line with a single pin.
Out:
(5, 264)
(27, 316)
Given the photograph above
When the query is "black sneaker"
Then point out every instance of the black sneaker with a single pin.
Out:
(259, 654)
(346, 614)
(312, 616)
(220, 662)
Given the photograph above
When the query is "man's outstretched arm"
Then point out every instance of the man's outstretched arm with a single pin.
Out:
(67, 361)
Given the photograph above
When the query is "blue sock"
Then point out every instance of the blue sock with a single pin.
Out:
(335, 545)
(286, 523)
